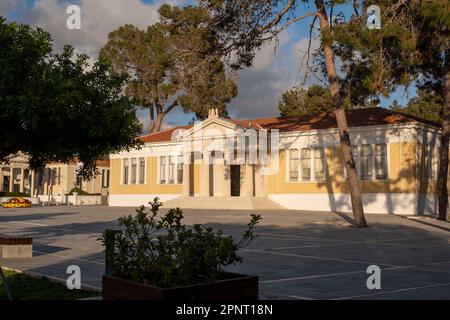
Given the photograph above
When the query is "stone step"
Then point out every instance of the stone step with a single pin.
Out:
(236, 203)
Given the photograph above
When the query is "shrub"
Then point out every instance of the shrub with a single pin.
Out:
(162, 251)
(14, 194)
(79, 191)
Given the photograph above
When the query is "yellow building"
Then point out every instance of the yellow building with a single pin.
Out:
(56, 179)
(222, 163)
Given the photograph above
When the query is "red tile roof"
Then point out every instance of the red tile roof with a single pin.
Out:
(162, 136)
(324, 120)
(102, 163)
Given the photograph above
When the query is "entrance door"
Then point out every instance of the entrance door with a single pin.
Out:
(235, 179)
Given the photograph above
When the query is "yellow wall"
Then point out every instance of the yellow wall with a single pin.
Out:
(151, 186)
(401, 174)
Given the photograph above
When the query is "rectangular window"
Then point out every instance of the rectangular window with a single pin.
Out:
(133, 170)
(318, 164)
(171, 170)
(366, 162)
(125, 171)
(53, 176)
(162, 170)
(180, 169)
(293, 165)
(305, 157)
(381, 161)
(141, 170)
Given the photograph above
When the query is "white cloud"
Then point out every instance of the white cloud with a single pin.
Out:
(273, 72)
(98, 18)
(260, 87)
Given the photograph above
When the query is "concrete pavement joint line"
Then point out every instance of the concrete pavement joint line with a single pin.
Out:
(69, 257)
(342, 241)
(310, 246)
(303, 237)
(320, 258)
(328, 275)
(416, 267)
(409, 246)
(267, 292)
(393, 291)
(47, 226)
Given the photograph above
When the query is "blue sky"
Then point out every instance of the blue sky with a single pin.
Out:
(260, 87)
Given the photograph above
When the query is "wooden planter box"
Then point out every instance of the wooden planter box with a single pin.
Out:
(235, 287)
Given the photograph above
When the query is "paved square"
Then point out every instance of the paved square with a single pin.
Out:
(298, 254)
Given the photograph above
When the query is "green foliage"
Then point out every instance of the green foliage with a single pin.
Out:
(300, 101)
(57, 107)
(79, 191)
(409, 48)
(25, 287)
(426, 106)
(174, 62)
(162, 251)
(14, 194)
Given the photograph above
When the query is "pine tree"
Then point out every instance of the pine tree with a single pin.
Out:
(172, 63)
(412, 47)
(243, 26)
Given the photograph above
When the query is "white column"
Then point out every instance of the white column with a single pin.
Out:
(186, 180)
(219, 177)
(11, 179)
(247, 183)
(204, 179)
(227, 180)
(260, 181)
(22, 180)
(32, 183)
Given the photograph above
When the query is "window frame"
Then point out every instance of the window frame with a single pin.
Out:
(366, 162)
(125, 171)
(297, 161)
(386, 158)
(142, 171)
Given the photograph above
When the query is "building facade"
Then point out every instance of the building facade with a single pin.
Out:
(57, 179)
(299, 163)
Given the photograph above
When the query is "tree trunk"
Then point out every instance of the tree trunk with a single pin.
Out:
(152, 119)
(355, 189)
(445, 135)
(158, 122)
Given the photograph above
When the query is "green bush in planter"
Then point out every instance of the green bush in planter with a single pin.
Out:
(162, 251)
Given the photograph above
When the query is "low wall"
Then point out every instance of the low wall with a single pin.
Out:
(79, 200)
(135, 200)
(384, 203)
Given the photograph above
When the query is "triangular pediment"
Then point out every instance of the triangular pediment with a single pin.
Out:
(211, 126)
